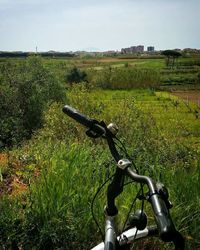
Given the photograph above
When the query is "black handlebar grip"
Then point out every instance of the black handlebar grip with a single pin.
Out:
(163, 219)
(84, 120)
(76, 115)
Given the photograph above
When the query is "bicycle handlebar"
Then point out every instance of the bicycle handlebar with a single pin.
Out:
(167, 231)
(84, 120)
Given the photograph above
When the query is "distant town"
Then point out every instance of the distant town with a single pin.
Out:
(132, 50)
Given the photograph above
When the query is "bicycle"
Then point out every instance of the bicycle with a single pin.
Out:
(136, 228)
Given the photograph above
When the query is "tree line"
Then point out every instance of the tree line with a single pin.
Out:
(43, 54)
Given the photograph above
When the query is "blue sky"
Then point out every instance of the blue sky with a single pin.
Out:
(70, 25)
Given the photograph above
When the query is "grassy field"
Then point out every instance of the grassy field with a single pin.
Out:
(185, 75)
(48, 183)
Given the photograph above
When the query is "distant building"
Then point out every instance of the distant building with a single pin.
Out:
(133, 49)
(111, 51)
(140, 48)
(150, 49)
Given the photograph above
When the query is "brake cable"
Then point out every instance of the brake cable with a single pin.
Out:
(92, 205)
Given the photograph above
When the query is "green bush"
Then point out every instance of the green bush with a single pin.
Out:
(76, 76)
(26, 89)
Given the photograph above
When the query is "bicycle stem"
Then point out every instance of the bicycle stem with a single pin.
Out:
(115, 188)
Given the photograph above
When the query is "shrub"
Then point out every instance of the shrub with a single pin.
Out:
(26, 89)
(76, 76)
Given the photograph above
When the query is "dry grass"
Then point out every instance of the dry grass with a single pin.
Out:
(192, 95)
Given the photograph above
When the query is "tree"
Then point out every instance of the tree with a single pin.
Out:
(172, 56)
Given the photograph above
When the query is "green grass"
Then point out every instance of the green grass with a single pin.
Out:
(141, 63)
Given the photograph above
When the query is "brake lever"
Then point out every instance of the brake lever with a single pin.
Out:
(163, 191)
(90, 133)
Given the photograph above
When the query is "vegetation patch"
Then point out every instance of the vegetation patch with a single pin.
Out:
(47, 182)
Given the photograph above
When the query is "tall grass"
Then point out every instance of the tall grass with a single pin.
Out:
(125, 78)
(62, 197)
(190, 62)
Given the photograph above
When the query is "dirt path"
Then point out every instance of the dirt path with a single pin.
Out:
(111, 60)
(192, 95)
